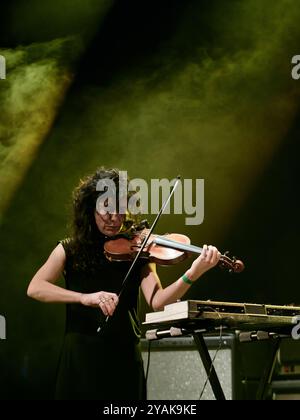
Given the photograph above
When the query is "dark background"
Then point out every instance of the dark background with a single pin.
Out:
(200, 88)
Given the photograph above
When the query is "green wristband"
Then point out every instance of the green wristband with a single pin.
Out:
(186, 279)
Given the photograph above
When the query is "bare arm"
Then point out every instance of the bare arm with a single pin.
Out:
(43, 288)
(42, 285)
(157, 297)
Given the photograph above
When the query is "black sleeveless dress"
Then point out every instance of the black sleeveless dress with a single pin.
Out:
(106, 365)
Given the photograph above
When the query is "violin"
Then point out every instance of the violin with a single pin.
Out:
(162, 249)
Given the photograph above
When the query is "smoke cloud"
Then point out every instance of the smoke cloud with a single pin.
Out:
(38, 76)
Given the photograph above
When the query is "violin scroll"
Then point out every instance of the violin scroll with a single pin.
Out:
(231, 263)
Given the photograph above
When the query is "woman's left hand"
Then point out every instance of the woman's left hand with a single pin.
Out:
(208, 258)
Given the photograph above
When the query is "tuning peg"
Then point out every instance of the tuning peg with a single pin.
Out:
(145, 223)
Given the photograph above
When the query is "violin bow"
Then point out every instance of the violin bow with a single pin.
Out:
(125, 281)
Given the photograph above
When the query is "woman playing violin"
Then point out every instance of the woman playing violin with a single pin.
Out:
(105, 365)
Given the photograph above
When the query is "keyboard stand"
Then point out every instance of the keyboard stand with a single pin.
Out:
(266, 378)
(208, 365)
(202, 349)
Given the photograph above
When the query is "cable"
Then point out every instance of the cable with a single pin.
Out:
(148, 360)
(217, 351)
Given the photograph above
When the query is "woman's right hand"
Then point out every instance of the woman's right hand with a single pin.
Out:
(106, 301)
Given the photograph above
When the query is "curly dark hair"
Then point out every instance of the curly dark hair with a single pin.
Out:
(85, 195)
(85, 236)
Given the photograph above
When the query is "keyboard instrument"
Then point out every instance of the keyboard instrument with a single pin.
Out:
(207, 314)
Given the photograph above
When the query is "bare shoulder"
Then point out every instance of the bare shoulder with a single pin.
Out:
(52, 269)
(57, 256)
(149, 275)
(59, 252)
(147, 269)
